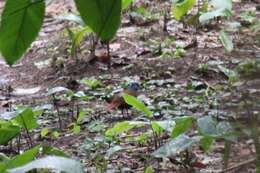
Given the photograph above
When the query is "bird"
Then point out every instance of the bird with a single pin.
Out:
(118, 102)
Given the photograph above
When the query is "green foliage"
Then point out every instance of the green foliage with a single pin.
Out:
(226, 40)
(60, 164)
(220, 8)
(23, 158)
(181, 7)
(126, 3)
(7, 132)
(119, 128)
(182, 125)
(149, 169)
(20, 23)
(137, 104)
(175, 146)
(102, 16)
(77, 37)
(92, 83)
(208, 126)
(26, 119)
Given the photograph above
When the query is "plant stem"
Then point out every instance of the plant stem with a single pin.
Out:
(27, 132)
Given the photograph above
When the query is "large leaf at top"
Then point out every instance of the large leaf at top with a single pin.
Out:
(21, 21)
(60, 164)
(181, 7)
(102, 16)
(26, 119)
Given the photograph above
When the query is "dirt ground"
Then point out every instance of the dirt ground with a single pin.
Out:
(135, 56)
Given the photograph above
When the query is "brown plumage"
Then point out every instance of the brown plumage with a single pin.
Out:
(117, 101)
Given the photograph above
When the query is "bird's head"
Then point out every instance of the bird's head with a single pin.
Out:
(134, 86)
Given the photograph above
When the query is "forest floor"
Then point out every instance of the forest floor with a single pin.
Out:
(175, 69)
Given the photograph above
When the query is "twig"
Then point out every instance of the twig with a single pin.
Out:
(238, 165)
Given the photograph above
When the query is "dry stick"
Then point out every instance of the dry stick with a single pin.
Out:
(238, 165)
(18, 143)
(58, 111)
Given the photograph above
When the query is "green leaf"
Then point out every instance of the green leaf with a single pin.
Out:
(92, 83)
(206, 143)
(102, 16)
(8, 132)
(119, 128)
(182, 125)
(210, 127)
(60, 164)
(78, 37)
(21, 21)
(44, 132)
(76, 129)
(55, 134)
(133, 101)
(175, 146)
(53, 151)
(149, 169)
(181, 7)
(126, 3)
(156, 128)
(220, 8)
(226, 41)
(166, 125)
(23, 158)
(26, 119)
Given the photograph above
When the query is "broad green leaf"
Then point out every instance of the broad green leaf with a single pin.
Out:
(126, 3)
(208, 126)
(175, 146)
(133, 101)
(8, 132)
(76, 129)
(102, 16)
(149, 169)
(181, 7)
(220, 8)
(156, 128)
(206, 17)
(60, 164)
(26, 119)
(77, 39)
(47, 150)
(226, 40)
(20, 23)
(166, 125)
(92, 83)
(206, 142)
(182, 125)
(119, 128)
(44, 132)
(55, 134)
(23, 158)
